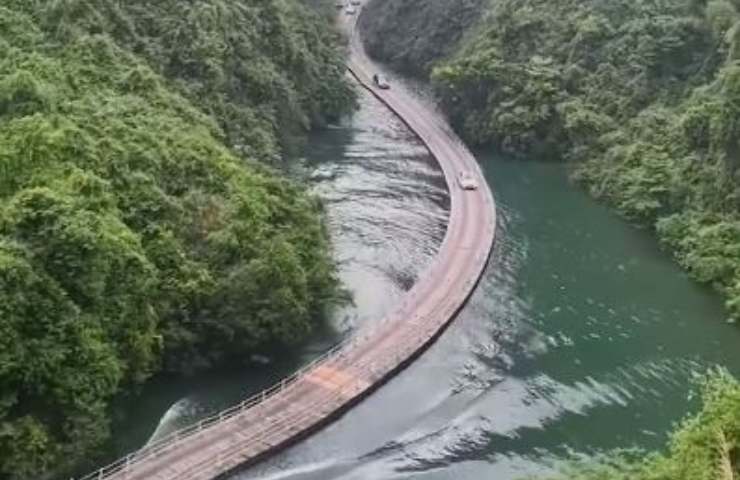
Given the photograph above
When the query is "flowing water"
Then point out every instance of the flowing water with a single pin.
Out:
(582, 336)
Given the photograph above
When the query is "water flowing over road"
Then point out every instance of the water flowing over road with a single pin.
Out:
(321, 391)
(581, 337)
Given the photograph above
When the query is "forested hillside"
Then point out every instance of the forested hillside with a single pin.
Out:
(412, 35)
(704, 446)
(642, 97)
(139, 227)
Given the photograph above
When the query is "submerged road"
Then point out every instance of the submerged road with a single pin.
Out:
(323, 390)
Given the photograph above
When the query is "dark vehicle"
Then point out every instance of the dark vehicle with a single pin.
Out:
(381, 82)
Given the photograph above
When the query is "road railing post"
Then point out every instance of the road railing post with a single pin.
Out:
(127, 470)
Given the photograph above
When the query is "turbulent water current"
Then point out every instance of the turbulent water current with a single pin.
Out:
(582, 336)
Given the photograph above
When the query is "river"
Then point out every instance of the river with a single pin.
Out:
(582, 336)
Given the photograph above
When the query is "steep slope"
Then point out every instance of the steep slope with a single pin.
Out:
(263, 69)
(414, 34)
(138, 228)
(642, 97)
(704, 446)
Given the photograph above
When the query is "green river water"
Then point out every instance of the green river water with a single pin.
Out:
(583, 335)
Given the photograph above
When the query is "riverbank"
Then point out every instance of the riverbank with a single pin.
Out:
(315, 396)
(584, 321)
(386, 211)
(142, 226)
(639, 98)
(559, 337)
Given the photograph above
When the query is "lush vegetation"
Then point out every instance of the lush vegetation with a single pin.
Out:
(641, 96)
(413, 35)
(265, 70)
(706, 446)
(139, 227)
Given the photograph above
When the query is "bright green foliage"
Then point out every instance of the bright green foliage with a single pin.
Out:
(706, 446)
(56, 369)
(677, 169)
(138, 231)
(642, 96)
(536, 64)
(264, 69)
(414, 34)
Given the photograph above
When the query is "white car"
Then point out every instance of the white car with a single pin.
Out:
(466, 181)
(350, 10)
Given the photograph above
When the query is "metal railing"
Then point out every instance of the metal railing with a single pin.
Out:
(165, 443)
(419, 328)
(297, 417)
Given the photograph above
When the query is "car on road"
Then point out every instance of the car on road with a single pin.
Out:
(381, 82)
(356, 3)
(350, 10)
(466, 181)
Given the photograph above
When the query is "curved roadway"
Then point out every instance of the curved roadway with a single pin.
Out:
(326, 389)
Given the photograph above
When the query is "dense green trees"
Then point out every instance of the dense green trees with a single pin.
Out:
(705, 446)
(642, 97)
(264, 70)
(547, 73)
(139, 229)
(414, 34)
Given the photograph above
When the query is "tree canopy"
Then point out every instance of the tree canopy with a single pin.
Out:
(140, 228)
(642, 97)
(704, 446)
